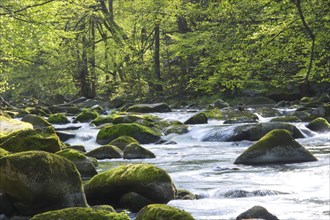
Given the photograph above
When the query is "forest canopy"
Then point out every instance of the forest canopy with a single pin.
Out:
(146, 48)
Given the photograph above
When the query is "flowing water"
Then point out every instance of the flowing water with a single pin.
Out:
(291, 191)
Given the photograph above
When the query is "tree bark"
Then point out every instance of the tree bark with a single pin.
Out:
(156, 52)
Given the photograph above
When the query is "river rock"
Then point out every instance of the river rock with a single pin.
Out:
(84, 165)
(3, 152)
(287, 118)
(136, 151)
(105, 152)
(65, 108)
(36, 121)
(122, 141)
(199, 118)
(9, 126)
(183, 194)
(256, 212)
(142, 134)
(86, 116)
(79, 213)
(161, 211)
(38, 181)
(134, 201)
(319, 125)
(6, 206)
(251, 132)
(147, 180)
(58, 118)
(148, 108)
(259, 100)
(64, 135)
(44, 139)
(276, 147)
(219, 103)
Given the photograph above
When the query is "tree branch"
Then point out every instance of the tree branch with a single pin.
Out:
(27, 7)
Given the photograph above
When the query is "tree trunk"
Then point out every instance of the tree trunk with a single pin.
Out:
(156, 52)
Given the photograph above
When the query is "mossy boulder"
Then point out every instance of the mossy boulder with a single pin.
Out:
(78, 213)
(65, 108)
(276, 147)
(286, 119)
(39, 181)
(148, 108)
(84, 165)
(258, 100)
(142, 134)
(257, 212)
(199, 118)
(3, 152)
(105, 152)
(58, 118)
(238, 115)
(319, 125)
(136, 151)
(268, 112)
(86, 116)
(161, 211)
(36, 121)
(122, 141)
(147, 180)
(183, 194)
(219, 103)
(214, 113)
(77, 147)
(9, 126)
(178, 129)
(44, 139)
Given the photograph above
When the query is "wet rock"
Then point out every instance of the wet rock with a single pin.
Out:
(147, 180)
(86, 116)
(276, 147)
(44, 139)
(36, 121)
(319, 125)
(59, 118)
(161, 211)
(105, 152)
(259, 100)
(136, 151)
(9, 126)
(6, 206)
(199, 118)
(183, 194)
(39, 181)
(64, 136)
(219, 103)
(286, 119)
(268, 112)
(81, 213)
(178, 129)
(256, 212)
(122, 141)
(244, 193)
(80, 148)
(3, 152)
(65, 108)
(142, 134)
(84, 165)
(148, 108)
(134, 201)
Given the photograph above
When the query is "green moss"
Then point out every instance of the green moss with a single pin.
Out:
(122, 141)
(274, 138)
(44, 139)
(214, 113)
(286, 119)
(160, 211)
(59, 118)
(3, 153)
(141, 133)
(81, 214)
(86, 115)
(9, 126)
(72, 155)
(199, 118)
(319, 125)
(102, 120)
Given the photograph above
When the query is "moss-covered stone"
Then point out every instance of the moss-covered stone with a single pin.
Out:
(44, 139)
(145, 179)
(136, 151)
(214, 113)
(276, 147)
(268, 112)
(58, 118)
(78, 147)
(256, 212)
(142, 134)
(258, 100)
(178, 129)
(148, 108)
(319, 125)
(134, 201)
(105, 152)
(39, 181)
(100, 120)
(66, 108)
(84, 165)
(77, 213)
(86, 116)
(3, 152)
(199, 118)
(287, 119)
(183, 194)
(161, 211)
(36, 121)
(9, 126)
(122, 141)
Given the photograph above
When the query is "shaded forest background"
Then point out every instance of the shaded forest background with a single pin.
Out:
(163, 48)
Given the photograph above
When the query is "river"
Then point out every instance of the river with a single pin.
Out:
(298, 191)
